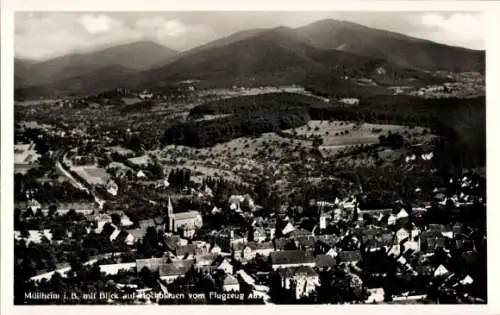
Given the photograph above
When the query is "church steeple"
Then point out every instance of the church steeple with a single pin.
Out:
(170, 208)
(321, 217)
(170, 219)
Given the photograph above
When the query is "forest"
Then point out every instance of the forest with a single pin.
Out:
(459, 122)
(210, 132)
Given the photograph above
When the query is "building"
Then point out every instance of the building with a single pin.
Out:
(34, 236)
(184, 222)
(291, 258)
(123, 237)
(288, 229)
(440, 271)
(112, 187)
(204, 263)
(157, 223)
(152, 264)
(188, 222)
(227, 238)
(350, 257)
(249, 251)
(259, 234)
(171, 271)
(325, 262)
(188, 250)
(376, 295)
(301, 280)
(321, 218)
(236, 201)
(326, 242)
(225, 266)
(349, 101)
(25, 158)
(230, 284)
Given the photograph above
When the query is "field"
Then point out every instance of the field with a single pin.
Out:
(92, 175)
(131, 100)
(140, 160)
(338, 135)
(272, 154)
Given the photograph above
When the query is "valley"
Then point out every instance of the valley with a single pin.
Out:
(346, 158)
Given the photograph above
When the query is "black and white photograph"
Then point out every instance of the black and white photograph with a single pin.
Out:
(249, 158)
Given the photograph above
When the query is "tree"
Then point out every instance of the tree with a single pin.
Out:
(317, 141)
(116, 219)
(52, 210)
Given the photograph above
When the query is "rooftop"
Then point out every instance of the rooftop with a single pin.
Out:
(291, 257)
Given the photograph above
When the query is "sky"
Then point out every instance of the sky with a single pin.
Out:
(45, 35)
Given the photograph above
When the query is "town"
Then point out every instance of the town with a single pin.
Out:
(91, 214)
(331, 163)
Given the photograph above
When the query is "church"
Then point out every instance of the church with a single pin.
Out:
(183, 223)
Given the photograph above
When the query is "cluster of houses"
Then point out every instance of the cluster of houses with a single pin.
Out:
(25, 157)
(295, 250)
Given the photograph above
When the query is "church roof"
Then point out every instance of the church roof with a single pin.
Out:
(186, 215)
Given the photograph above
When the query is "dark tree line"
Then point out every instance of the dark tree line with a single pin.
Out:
(210, 132)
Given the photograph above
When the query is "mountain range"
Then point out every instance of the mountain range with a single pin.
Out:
(325, 51)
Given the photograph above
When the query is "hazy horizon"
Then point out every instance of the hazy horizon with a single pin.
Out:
(46, 35)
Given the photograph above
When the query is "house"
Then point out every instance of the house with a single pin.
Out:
(440, 271)
(113, 269)
(112, 187)
(350, 257)
(282, 243)
(235, 202)
(325, 261)
(296, 233)
(205, 263)
(156, 222)
(202, 248)
(171, 241)
(302, 280)
(101, 219)
(467, 280)
(402, 214)
(291, 258)
(382, 241)
(288, 229)
(226, 239)
(230, 283)
(401, 235)
(376, 295)
(215, 249)
(171, 271)
(246, 277)
(225, 266)
(208, 192)
(34, 236)
(259, 234)
(326, 242)
(187, 250)
(34, 205)
(216, 210)
(434, 243)
(305, 242)
(250, 250)
(349, 101)
(123, 237)
(152, 264)
(85, 208)
(138, 233)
